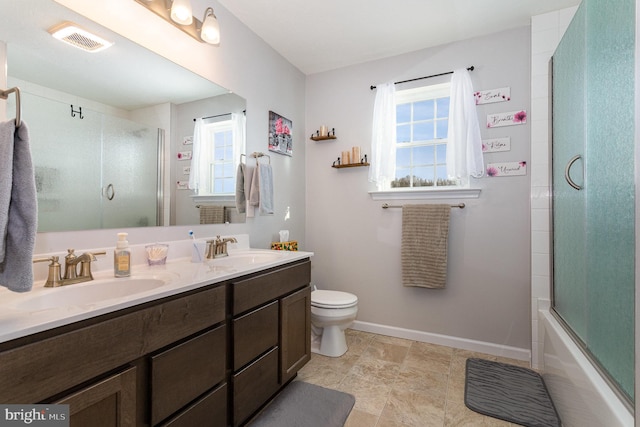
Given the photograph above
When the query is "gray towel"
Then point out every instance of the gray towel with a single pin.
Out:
(18, 208)
(425, 233)
(211, 214)
(241, 197)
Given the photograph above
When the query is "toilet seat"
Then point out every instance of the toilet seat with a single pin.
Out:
(332, 299)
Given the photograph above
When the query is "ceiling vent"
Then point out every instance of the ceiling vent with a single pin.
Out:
(76, 36)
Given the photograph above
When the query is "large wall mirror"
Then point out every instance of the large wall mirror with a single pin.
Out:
(109, 130)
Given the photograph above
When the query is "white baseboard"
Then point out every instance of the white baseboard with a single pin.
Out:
(461, 343)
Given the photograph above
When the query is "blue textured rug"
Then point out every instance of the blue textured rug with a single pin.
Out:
(510, 393)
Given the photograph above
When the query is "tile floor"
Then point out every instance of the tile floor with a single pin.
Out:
(400, 383)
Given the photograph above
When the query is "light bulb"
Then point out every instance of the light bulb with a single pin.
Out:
(181, 12)
(210, 31)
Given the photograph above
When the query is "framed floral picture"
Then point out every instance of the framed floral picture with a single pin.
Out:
(280, 134)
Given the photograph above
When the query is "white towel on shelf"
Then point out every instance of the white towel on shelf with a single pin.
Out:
(18, 208)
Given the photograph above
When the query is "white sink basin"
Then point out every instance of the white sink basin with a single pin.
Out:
(246, 259)
(93, 292)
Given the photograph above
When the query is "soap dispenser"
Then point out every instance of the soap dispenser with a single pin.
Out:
(122, 257)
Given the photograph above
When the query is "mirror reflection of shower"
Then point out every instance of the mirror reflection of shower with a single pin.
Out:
(101, 171)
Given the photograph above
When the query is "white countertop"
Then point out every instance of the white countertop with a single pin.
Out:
(179, 275)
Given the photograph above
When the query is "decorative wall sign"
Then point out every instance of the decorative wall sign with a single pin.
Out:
(182, 185)
(507, 169)
(496, 144)
(187, 140)
(186, 170)
(280, 134)
(184, 155)
(507, 119)
(493, 95)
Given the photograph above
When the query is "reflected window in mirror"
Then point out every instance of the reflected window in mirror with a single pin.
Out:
(217, 145)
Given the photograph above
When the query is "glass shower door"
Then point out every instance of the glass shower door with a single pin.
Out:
(593, 185)
(130, 172)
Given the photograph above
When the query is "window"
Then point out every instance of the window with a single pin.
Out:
(422, 120)
(222, 173)
(217, 145)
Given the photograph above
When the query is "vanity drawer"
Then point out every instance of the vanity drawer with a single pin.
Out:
(254, 385)
(211, 410)
(266, 287)
(186, 371)
(254, 333)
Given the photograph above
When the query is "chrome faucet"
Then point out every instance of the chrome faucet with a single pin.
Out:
(71, 274)
(218, 248)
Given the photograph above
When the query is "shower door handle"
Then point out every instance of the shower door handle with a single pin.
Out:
(110, 192)
(567, 172)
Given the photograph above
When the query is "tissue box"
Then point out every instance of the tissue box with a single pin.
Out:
(285, 246)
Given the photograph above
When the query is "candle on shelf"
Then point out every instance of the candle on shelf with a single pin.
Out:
(323, 130)
(346, 158)
(355, 154)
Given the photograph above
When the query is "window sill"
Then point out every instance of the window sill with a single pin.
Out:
(213, 198)
(413, 194)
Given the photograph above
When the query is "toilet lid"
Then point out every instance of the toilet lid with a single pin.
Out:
(332, 299)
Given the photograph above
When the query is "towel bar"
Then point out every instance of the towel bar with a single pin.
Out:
(4, 94)
(387, 206)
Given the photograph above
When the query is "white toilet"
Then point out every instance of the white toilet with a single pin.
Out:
(331, 313)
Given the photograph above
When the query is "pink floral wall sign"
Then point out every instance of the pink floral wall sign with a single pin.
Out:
(507, 119)
(496, 144)
(493, 95)
(507, 169)
(185, 155)
(280, 134)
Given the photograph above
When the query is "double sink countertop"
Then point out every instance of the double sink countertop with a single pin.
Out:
(41, 309)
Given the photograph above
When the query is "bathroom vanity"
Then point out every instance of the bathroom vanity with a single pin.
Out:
(204, 351)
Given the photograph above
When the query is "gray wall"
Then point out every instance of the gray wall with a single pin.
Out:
(357, 244)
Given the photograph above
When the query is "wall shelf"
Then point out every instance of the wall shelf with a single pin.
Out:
(323, 138)
(350, 165)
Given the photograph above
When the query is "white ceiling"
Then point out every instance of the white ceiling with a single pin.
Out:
(321, 35)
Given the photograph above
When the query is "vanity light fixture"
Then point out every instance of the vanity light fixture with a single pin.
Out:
(78, 37)
(179, 14)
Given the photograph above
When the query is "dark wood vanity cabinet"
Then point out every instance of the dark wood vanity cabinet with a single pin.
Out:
(271, 334)
(209, 357)
(103, 367)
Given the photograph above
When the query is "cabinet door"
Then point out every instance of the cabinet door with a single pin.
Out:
(295, 338)
(107, 403)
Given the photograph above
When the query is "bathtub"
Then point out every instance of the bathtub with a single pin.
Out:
(581, 396)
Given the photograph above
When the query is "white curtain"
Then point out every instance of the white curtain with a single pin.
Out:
(198, 173)
(464, 147)
(383, 137)
(239, 139)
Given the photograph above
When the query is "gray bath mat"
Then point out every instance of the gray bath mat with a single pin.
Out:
(302, 404)
(510, 393)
